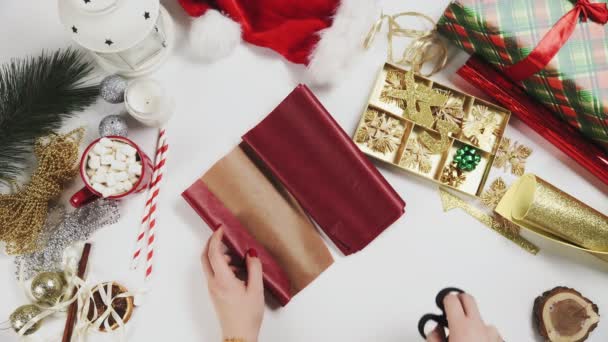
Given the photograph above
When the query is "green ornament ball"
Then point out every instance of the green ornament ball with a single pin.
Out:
(22, 315)
(48, 287)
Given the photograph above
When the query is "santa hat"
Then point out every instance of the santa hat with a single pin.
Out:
(321, 34)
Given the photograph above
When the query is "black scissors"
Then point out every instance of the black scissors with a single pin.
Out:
(441, 320)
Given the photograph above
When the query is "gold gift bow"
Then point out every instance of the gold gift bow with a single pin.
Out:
(422, 48)
(531, 202)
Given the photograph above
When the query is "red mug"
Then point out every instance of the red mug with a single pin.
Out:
(87, 194)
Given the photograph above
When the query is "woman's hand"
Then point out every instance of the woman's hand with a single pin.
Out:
(239, 305)
(465, 322)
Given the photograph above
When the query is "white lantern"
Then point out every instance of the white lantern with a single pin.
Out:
(127, 37)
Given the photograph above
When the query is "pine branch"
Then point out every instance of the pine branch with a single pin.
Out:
(36, 95)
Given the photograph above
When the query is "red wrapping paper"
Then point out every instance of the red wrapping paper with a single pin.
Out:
(537, 116)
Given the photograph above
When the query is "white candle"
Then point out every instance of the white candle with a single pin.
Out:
(147, 101)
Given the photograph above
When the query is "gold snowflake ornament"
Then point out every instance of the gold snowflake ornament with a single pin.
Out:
(416, 156)
(393, 81)
(490, 199)
(494, 194)
(481, 126)
(514, 156)
(451, 111)
(380, 132)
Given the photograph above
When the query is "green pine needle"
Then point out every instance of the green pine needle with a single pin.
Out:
(36, 95)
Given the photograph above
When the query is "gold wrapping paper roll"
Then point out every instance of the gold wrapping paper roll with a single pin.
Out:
(537, 205)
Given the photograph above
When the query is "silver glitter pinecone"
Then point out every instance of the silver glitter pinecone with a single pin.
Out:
(113, 89)
(113, 125)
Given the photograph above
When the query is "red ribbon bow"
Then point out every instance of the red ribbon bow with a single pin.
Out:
(555, 39)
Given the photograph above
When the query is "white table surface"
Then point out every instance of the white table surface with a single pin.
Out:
(376, 295)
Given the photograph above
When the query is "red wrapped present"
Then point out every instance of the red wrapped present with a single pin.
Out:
(555, 50)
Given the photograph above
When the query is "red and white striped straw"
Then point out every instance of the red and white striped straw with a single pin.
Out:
(152, 194)
(160, 167)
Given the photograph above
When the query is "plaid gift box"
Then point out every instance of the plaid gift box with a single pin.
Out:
(574, 85)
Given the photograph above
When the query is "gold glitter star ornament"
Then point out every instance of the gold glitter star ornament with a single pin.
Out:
(418, 99)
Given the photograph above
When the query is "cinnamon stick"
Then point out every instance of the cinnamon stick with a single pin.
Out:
(71, 319)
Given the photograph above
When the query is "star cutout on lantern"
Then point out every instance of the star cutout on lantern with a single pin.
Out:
(74, 29)
(147, 15)
(109, 42)
(380, 132)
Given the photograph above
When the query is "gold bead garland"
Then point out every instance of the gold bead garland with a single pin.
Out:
(22, 214)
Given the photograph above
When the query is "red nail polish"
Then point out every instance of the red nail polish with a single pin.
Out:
(252, 253)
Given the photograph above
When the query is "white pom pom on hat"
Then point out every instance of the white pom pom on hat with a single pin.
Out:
(214, 36)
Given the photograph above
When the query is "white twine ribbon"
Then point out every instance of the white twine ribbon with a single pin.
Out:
(84, 297)
(426, 46)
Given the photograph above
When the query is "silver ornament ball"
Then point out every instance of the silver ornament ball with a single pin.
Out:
(113, 125)
(22, 315)
(48, 287)
(113, 89)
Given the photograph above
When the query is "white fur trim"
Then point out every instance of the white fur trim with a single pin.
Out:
(342, 41)
(214, 36)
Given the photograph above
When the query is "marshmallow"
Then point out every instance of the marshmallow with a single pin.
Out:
(105, 142)
(111, 179)
(100, 149)
(107, 192)
(99, 177)
(121, 176)
(128, 150)
(113, 168)
(119, 165)
(121, 156)
(94, 162)
(125, 185)
(98, 187)
(135, 169)
(107, 159)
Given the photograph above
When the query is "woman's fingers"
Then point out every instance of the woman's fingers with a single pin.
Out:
(470, 306)
(493, 334)
(255, 277)
(436, 335)
(220, 266)
(453, 308)
(205, 261)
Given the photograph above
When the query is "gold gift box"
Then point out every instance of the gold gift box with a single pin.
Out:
(389, 117)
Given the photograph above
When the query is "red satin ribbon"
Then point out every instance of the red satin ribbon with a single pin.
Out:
(553, 41)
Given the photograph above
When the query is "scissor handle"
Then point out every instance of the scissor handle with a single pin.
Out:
(439, 319)
(443, 293)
